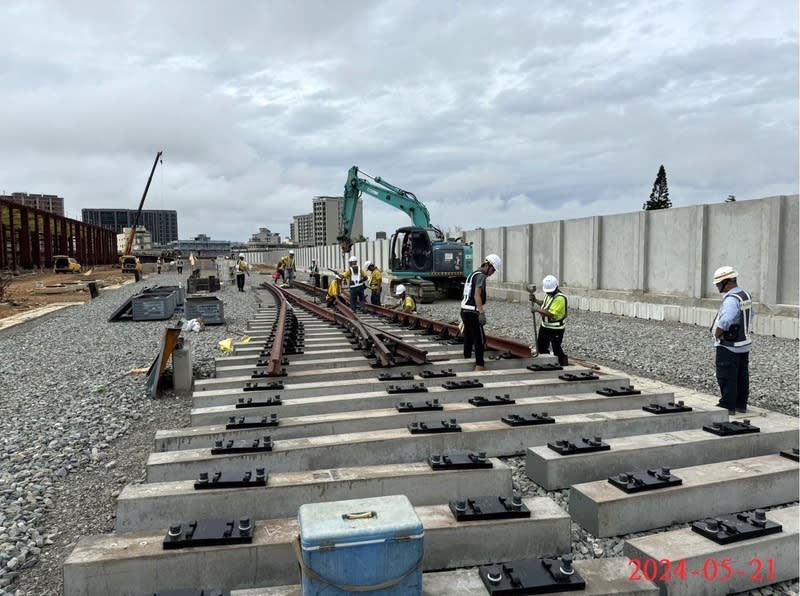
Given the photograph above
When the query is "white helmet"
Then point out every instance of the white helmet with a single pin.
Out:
(241, 255)
(353, 260)
(291, 252)
(400, 289)
(725, 272)
(549, 283)
(494, 261)
(367, 264)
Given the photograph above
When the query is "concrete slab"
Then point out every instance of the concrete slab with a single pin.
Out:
(752, 563)
(135, 563)
(603, 577)
(320, 400)
(399, 445)
(312, 425)
(707, 490)
(675, 449)
(157, 505)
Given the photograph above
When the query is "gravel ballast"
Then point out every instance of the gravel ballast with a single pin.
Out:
(77, 425)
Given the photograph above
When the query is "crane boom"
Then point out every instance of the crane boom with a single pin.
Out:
(132, 234)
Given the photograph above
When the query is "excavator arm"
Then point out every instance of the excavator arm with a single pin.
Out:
(383, 191)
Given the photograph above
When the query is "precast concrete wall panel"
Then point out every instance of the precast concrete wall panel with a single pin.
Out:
(734, 237)
(788, 271)
(618, 246)
(516, 259)
(669, 250)
(577, 259)
(546, 250)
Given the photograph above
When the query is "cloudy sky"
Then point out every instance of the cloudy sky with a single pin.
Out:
(492, 113)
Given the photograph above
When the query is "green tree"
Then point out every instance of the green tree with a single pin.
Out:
(731, 199)
(659, 197)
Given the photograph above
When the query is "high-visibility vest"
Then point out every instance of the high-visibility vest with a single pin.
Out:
(549, 322)
(738, 334)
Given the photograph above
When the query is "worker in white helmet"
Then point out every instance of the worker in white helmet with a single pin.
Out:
(288, 267)
(355, 275)
(405, 302)
(242, 269)
(732, 341)
(473, 306)
(553, 311)
(374, 282)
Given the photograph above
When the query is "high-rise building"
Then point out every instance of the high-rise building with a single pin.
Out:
(161, 223)
(327, 216)
(301, 230)
(50, 203)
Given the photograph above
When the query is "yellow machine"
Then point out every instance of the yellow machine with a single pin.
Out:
(65, 264)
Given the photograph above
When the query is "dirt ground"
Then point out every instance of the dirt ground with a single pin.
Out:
(20, 294)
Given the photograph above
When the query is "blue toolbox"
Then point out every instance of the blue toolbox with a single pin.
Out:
(362, 543)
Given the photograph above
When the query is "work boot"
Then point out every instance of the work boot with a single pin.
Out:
(479, 368)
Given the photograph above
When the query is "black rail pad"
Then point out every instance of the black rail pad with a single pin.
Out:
(459, 461)
(492, 507)
(273, 386)
(415, 388)
(405, 376)
(734, 427)
(670, 408)
(523, 420)
(736, 527)
(637, 482)
(235, 422)
(543, 367)
(262, 374)
(437, 374)
(244, 446)
(251, 403)
(584, 445)
(584, 376)
(231, 480)
(443, 426)
(497, 400)
(466, 384)
(209, 532)
(530, 576)
(792, 453)
(613, 392)
(427, 406)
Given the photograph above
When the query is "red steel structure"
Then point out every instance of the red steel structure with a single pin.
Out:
(30, 238)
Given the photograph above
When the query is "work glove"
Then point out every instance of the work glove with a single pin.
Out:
(482, 318)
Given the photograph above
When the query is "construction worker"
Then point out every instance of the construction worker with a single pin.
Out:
(554, 313)
(405, 302)
(179, 264)
(356, 278)
(732, 341)
(159, 261)
(334, 290)
(313, 272)
(242, 269)
(374, 282)
(473, 304)
(288, 267)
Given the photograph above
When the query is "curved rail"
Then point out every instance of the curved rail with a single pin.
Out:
(276, 353)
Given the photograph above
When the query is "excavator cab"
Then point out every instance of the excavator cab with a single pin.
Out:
(412, 250)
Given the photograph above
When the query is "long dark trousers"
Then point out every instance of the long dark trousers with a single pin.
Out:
(733, 376)
(552, 337)
(474, 337)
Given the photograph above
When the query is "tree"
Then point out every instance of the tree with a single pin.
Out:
(659, 197)
(731, 199)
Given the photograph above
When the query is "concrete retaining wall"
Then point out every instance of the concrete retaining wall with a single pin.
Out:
(647, 264)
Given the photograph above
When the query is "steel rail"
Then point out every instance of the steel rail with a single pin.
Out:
(276, 353)
(369, 339)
